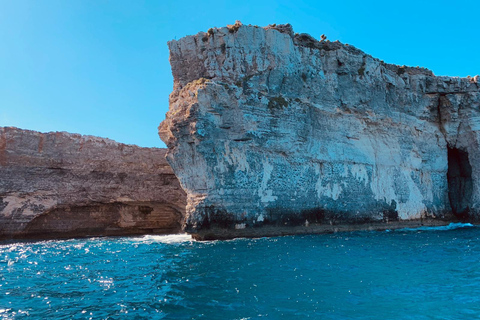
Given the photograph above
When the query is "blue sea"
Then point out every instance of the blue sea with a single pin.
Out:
(427, 273)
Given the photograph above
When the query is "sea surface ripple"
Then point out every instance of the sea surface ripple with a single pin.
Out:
(427, 273)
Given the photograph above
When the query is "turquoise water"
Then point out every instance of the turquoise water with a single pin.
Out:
(406, 274)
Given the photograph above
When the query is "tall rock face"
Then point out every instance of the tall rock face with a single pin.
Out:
(271, 128)
(64, 185)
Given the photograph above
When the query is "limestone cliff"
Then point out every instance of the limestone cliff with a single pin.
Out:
(62, 185)
(271, 128)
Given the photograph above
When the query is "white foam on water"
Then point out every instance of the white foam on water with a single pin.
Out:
(168, 239)
(451, 226)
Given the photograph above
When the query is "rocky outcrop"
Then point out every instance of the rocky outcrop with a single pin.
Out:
(65, 185)
(268, 128)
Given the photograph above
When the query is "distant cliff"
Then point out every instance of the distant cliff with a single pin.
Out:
(268, 128)
(59, 184)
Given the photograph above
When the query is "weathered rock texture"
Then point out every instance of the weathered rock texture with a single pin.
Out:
(62, 185)
(268, 127)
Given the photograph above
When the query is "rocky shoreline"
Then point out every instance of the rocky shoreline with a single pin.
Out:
(276, 231)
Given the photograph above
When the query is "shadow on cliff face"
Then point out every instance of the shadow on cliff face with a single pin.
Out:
(460, 183)
(105, 219)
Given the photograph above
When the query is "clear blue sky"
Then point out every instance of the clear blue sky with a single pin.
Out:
(101, 67)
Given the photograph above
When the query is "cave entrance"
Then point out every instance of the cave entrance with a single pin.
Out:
(460, 184)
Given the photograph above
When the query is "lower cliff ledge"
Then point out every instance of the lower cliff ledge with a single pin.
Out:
(275, 231)
(87, 233)
(62, 185)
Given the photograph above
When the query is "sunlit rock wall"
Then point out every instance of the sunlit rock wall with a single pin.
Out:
(270, 127)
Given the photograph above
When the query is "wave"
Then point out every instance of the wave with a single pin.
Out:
(451, 226)
(168, 239)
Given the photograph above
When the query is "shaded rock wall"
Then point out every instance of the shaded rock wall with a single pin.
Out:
(62, 185)
(270, 127)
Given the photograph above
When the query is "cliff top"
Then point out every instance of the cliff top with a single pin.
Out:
(75, 136)
(70, 150)
(206, 49)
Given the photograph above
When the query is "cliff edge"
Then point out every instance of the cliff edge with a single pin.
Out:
(59, 185)
(269, 129)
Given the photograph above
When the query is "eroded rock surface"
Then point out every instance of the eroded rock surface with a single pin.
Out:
(268, 127)
(62, 185)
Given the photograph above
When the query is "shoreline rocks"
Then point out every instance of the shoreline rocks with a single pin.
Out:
(272, 129)
(63, 185)
(317, 228)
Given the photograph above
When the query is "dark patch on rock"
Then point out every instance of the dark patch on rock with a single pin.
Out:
(460, 183)
(276, 103)
(391, 213)
(212, 217)
(3, 204)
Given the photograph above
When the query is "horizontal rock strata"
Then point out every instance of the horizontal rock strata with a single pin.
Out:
(66, 185)
(271, 128)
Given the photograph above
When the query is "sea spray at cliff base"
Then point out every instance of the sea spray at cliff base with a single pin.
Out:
(360, 275)
(451, 226)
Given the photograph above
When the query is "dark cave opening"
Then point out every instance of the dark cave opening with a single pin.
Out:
(460, 184)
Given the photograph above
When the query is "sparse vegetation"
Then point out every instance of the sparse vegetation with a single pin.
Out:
(361, 71)
(242, 81)
(473, 79)
(232, 28)
(277, 102)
